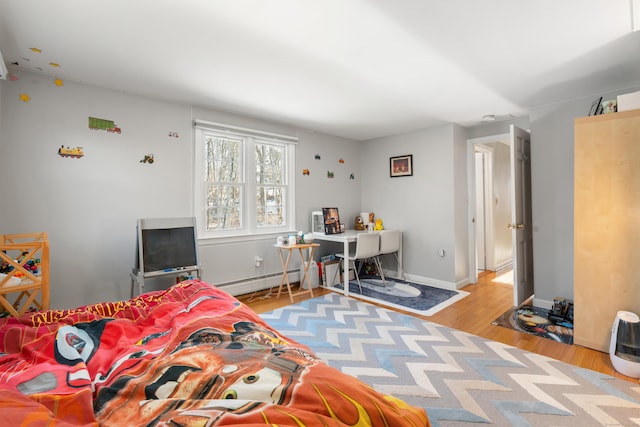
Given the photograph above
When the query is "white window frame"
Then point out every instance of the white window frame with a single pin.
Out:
(249, 228)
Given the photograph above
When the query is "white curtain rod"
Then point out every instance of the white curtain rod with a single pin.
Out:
(242, 130)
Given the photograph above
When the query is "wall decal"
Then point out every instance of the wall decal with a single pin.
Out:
(352, 177)
(148, 158)
(329, 174)
(173, 134)
(305, 172)
(25, 97)
(35, 49)
(58, 82)
(317, 156)
(13, 77)
(102, 124)
(75, 153)
(341, 161)
(54, 64)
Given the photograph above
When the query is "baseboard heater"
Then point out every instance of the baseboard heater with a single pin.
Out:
(257, 283)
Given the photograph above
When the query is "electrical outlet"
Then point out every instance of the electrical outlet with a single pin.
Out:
(441, 252)
(258, 261)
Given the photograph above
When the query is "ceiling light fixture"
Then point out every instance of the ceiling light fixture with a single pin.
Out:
(3, 68)
(489, 118)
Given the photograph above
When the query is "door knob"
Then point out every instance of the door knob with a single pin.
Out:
(516, 226)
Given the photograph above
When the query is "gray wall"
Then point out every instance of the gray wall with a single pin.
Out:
(423, 205)
(89, 206)
(552, 172)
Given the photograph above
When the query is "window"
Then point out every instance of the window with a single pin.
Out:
(243, 181)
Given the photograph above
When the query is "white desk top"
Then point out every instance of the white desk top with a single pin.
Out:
(348, 235)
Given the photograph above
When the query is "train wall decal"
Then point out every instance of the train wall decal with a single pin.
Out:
(103, 124)
(75, 152)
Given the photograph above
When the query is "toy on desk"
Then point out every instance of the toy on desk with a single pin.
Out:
(364, 221)
(378, 225)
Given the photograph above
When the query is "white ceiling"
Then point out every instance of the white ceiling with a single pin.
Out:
(354, 68)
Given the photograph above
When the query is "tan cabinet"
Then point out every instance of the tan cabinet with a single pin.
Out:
(606, 224)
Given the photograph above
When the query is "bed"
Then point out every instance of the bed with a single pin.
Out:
(191, 355)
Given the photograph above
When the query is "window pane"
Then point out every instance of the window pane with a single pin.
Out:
(222, 157)
(270, 160)
(270, 181)
(224, 207)
(270, 206)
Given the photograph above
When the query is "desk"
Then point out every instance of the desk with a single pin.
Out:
(285, 267)
(349, 236)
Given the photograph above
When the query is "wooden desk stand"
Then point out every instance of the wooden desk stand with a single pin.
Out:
(17, 250)
(285, 267)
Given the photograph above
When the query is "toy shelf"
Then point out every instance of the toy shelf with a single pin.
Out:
(24, 260)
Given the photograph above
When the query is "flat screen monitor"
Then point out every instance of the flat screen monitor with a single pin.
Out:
(331, 221)
(167, 245)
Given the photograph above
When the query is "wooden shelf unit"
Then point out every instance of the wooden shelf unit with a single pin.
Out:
(16, 250)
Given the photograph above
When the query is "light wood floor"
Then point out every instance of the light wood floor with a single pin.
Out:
(473, 314)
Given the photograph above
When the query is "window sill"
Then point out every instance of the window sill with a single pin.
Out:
(209, 241)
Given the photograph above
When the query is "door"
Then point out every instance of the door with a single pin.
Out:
(480, 223)
(521, 222)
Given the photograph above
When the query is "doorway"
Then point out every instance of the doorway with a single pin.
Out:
(484, 214)
(490, 246)
(510, 204)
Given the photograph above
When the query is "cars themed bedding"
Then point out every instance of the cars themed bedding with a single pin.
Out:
(189, 356)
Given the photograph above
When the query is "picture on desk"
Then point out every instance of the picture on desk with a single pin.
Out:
(331, 221)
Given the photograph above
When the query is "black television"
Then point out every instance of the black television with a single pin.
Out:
(167, 245)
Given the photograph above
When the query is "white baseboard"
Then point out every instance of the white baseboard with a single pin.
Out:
(431, 282)
(256, 284)
(508, 263)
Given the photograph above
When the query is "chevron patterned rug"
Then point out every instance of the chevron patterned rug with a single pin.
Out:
(460, 379)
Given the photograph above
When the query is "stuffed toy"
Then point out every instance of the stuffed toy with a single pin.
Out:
(378, 225)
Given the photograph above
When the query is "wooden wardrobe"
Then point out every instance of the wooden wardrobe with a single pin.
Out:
(606, 224)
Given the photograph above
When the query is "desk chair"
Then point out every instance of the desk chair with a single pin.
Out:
(389, 244)
(367, 246)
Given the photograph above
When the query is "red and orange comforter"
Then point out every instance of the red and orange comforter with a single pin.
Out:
(189, 356)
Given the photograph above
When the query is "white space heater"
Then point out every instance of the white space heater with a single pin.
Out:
(624, 349)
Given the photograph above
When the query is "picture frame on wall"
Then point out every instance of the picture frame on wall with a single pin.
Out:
(401, 166)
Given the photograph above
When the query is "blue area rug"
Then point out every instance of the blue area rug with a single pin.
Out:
(414, 297)
(460, 379)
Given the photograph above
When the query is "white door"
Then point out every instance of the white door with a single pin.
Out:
(480, 233)
(521, 222)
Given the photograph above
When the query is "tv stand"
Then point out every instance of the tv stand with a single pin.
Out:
(138, 277)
